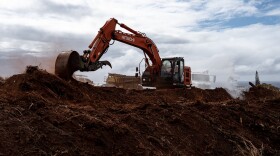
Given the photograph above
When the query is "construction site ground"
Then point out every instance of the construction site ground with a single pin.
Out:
(41, 114)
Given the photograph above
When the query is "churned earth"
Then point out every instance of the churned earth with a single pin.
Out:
(41, 114)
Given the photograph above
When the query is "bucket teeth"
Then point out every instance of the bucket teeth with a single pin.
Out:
(106, 63)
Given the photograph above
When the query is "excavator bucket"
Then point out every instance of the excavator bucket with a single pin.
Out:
(66, 64)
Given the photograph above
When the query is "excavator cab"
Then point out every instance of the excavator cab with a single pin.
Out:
(173, 74)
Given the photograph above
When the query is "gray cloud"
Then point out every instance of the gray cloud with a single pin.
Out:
(68, 10)
(45, 8)
(167, 39)
(38, 32)
(21, 32)
(25, 33)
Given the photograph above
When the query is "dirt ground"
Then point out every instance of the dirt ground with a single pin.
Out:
(41, 114)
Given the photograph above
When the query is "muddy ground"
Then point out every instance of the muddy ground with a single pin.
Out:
(40, 114)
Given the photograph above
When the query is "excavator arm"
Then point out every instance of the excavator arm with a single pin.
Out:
(108, 32)
(90, 60)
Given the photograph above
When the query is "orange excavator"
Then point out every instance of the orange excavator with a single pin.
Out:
(159, 72)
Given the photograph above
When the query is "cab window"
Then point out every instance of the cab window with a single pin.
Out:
(166, 68)
(179, 71)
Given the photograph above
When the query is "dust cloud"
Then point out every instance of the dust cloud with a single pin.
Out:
(224, 68)
(16, 62)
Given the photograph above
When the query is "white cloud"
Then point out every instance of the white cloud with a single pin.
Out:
(16, 4)
(275, 12)
(228, 8)
(278, 67)
(173, 25)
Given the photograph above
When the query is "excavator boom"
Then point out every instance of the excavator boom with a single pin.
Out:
(68, 62)
(108, 32)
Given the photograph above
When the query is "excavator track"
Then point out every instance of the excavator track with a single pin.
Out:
(66, 64)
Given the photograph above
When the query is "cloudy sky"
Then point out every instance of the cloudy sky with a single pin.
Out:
(227, 38)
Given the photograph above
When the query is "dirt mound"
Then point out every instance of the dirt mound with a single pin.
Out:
(40, 81)
(261, 92)
(215, 95)
(41, 114)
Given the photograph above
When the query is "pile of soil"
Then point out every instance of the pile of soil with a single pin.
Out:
(261, 92)
(41, 114)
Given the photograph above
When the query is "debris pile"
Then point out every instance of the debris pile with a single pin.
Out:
(262, 92)
(41, 114)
